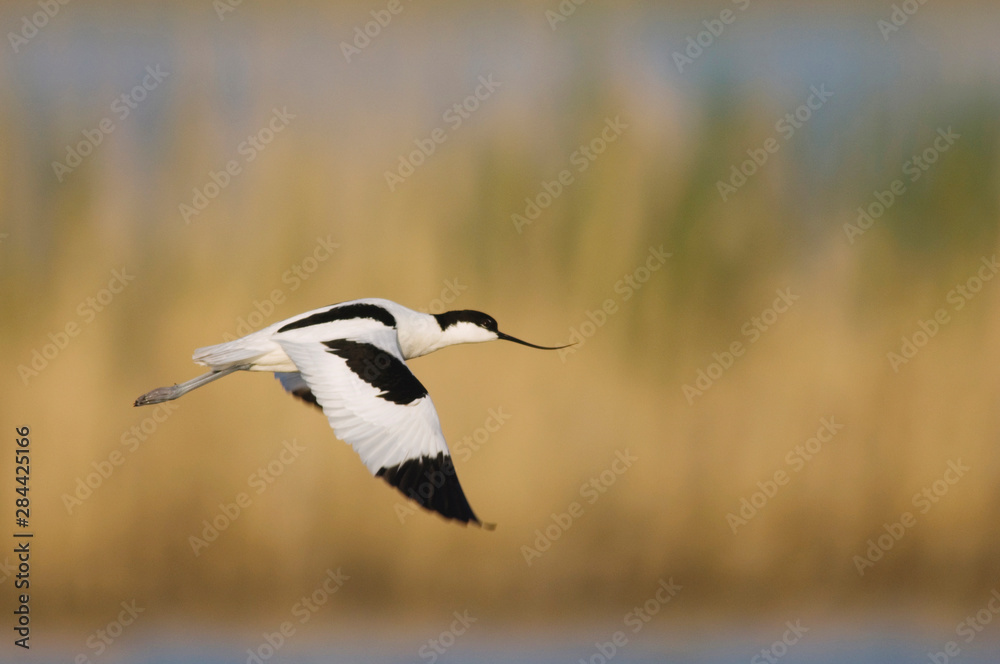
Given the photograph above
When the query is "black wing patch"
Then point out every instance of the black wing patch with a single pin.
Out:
(382, 370)
(449, 318)
(295, 385)
(307, 396)
(432, 483)
(346, 312)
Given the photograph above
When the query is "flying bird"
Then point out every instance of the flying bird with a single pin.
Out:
(349, 360)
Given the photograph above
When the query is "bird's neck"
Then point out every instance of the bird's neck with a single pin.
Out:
(419, 334)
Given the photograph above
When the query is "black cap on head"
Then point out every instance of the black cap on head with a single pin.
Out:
(449, 318)
(485, 321)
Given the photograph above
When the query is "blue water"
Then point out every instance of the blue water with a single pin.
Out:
(887, 650)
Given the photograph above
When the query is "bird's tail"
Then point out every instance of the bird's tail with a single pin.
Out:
(230, 353)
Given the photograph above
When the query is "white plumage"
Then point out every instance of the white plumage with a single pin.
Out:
(349, 359)
(382, 432)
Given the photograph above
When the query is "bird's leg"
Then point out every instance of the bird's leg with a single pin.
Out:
(161, 394)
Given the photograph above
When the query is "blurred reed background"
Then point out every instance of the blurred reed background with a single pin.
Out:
(447, 232)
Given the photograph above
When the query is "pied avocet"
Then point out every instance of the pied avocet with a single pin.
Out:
(348, 359)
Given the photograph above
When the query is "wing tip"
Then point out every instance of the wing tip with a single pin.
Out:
(432, 483)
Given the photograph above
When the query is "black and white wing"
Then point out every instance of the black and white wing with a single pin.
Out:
(295, 384)
(375, 404)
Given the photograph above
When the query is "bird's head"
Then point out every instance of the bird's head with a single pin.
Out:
(470, 327)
